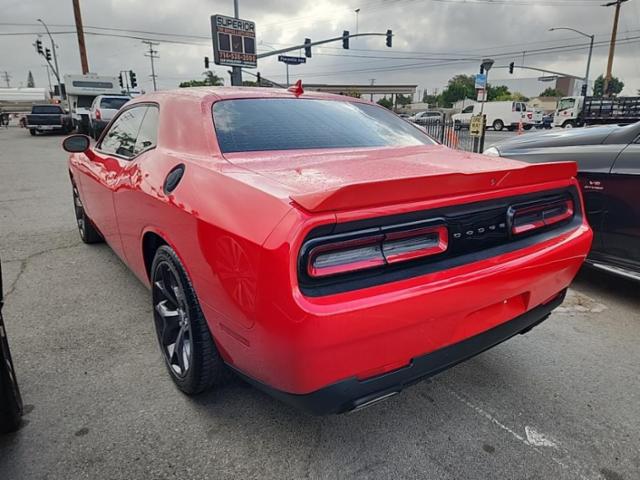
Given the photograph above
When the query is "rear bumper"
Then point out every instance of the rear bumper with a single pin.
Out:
(352, 394)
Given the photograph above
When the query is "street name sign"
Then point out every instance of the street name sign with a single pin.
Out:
(291, 60)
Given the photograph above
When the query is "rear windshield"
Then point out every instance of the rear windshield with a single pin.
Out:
(286, 124)
(46, 109)
(113, 103)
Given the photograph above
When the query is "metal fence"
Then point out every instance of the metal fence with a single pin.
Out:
(453, 135)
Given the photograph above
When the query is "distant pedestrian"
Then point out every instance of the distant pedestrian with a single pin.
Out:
(4, 118)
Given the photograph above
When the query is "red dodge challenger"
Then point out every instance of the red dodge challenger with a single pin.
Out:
(324, 249)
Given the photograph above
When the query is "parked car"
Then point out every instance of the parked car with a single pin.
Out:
(608, 160)
(499, 115)
(10, 399)
(102, 110)
(47, 118)
(331, 263)
(429, 117)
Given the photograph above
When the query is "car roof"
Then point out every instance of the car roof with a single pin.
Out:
(229, 93)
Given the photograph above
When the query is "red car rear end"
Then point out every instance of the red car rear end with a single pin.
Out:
(337, 253)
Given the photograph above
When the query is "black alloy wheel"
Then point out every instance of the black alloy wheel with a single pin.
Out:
(183, 334)
(87, 231)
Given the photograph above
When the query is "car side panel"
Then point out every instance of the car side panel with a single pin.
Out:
(621, 229)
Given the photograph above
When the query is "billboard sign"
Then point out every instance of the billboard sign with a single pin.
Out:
(291, 60)
(234, 41)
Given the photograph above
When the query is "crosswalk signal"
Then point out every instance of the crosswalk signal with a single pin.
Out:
(132, 79)
(345, 39)
(47, 54)
(511, 65)
(307, 47)
(39, 47)
(389, 37)
(120, 80)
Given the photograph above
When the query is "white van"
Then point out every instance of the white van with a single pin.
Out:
(499, 115)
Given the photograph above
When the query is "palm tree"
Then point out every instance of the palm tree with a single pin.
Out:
(213, 79)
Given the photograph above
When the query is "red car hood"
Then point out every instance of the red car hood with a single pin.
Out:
(324, 180)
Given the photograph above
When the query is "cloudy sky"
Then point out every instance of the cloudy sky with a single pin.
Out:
(433, 39)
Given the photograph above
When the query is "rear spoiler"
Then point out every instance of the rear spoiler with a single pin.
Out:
(394, 190)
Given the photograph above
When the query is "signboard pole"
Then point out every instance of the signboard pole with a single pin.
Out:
(236, 77)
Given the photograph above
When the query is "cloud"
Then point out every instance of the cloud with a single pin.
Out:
(429, 39)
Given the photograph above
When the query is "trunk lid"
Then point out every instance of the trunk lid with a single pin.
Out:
(336, 179)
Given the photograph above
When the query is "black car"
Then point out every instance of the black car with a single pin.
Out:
(608, 160)
(10, 399)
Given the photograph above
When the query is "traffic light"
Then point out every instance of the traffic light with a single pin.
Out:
(345, 39)
(206, 62)
(389, 37)
(583, 92)
(307, 47)
(39, 47)
(132, 79)
(511, 65)
(120, 80)
(47, 54)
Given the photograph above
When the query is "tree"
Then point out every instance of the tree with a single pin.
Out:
(386, 103)
(615, 86)
(30, 82)
(403, 100)
(432, 100)
(458, 88)
(550, 92)
(498, 93)
(210, 80)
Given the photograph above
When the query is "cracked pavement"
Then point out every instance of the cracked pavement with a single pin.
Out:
(561, 402)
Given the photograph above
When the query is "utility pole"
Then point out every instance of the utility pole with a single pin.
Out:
(80, 32)
(55, 60)
(236, 72)
(372, 80)
(6, 77)
(357, 12)
(152, 56)
(612, 45)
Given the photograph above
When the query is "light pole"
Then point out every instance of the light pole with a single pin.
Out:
(55, 58)
(357, 11)
(591, 37)
(486, 65)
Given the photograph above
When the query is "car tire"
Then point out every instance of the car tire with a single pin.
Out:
(88, 232)
(188, 349)
(527, 127)
(498, 125)
(10, 399)
(568, 124)
(32, 131)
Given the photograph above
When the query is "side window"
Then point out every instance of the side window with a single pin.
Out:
(518, 107)
(468, 109)
(148, 134)
(121, 138)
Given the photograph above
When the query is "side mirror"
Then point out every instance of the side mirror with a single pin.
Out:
(76, 143)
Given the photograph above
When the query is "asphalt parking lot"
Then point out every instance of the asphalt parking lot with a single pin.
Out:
(562, 402)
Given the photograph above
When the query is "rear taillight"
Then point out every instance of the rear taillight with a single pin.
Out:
(98, 114)
(381, 248)
(527, 218)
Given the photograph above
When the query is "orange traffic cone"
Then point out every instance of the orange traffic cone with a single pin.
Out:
(520, 129)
